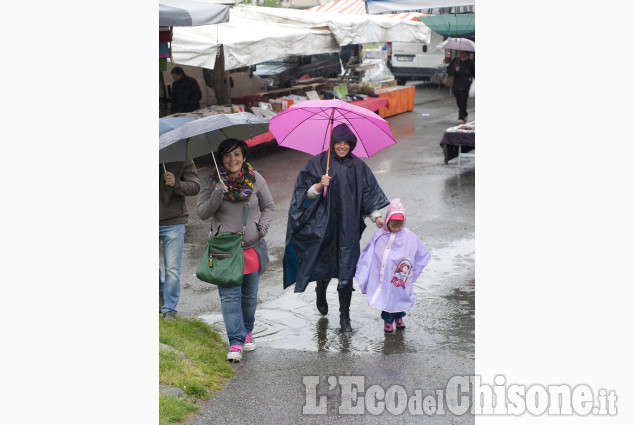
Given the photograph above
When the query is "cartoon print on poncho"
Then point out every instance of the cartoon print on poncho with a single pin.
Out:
(401, 274)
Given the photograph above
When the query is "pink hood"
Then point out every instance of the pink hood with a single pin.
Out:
(394, 207)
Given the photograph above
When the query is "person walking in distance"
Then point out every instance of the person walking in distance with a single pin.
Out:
(462, 69)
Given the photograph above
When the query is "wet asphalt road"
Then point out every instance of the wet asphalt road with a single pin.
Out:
(293, 339)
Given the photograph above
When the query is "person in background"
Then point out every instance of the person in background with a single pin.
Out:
(223, 198)
(176, 181)
(185, 92)
(388, 266)
(462, 69)
(323, 233)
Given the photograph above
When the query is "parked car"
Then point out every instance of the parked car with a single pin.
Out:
(279, 73)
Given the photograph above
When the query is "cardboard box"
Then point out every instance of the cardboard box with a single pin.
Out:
(276, 105)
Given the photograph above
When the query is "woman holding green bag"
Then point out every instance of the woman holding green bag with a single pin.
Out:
(223, 196)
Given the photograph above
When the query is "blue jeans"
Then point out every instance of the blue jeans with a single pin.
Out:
(170, 286)
(390, 317)
(238, 305)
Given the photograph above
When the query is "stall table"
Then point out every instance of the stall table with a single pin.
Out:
(371, 103)
(457, 141)
(299, 87)
(400, 99)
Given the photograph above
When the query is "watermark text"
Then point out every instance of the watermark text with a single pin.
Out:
(461, 395)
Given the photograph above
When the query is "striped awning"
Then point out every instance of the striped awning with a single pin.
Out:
(424, 6)
(358, 7)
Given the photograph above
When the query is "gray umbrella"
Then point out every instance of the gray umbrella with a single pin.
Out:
(204, 135)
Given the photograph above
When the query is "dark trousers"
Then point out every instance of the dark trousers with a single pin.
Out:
(342, 285)
(461, 102)
(390, 317)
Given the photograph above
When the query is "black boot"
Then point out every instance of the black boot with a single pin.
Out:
(345, 305)
(320, 297)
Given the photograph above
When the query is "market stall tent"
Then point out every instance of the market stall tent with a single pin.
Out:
(186, 13)
(347, 29)
(257, 34)
(455, 25)
(247, 42)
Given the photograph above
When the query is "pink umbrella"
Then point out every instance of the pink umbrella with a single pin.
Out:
(307, 126)
(458, 44)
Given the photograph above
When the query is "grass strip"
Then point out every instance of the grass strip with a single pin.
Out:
(173, 409)
(206, 368)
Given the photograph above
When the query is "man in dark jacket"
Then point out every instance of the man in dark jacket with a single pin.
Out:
(323, 233)
(462, 68)
(176, 181)
(185, 92)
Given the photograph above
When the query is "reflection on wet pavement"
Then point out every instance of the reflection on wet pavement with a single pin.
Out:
(443, 315)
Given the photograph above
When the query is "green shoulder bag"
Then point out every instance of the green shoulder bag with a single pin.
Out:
(223, 261)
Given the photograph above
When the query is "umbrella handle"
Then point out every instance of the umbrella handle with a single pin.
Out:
(214, 158)
(328, 157)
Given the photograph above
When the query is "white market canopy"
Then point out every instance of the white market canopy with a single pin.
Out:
(187, 13)
(346, 28)
(423, 6)
(247, 42)
(257, 34)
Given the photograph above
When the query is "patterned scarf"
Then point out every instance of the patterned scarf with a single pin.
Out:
(238, 188)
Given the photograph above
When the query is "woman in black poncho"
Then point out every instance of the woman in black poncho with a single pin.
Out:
(323, 232)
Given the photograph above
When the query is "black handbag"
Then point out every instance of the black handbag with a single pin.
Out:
(448, 80)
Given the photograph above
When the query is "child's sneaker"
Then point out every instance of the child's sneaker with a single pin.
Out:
(249, 344)
(400, 324)
(235, 353)
(387, 327)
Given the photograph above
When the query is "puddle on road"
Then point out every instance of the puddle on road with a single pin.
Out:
(443, 315)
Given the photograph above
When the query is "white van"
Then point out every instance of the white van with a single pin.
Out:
(416, 61)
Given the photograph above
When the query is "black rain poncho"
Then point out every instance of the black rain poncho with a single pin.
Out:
(323, 234)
